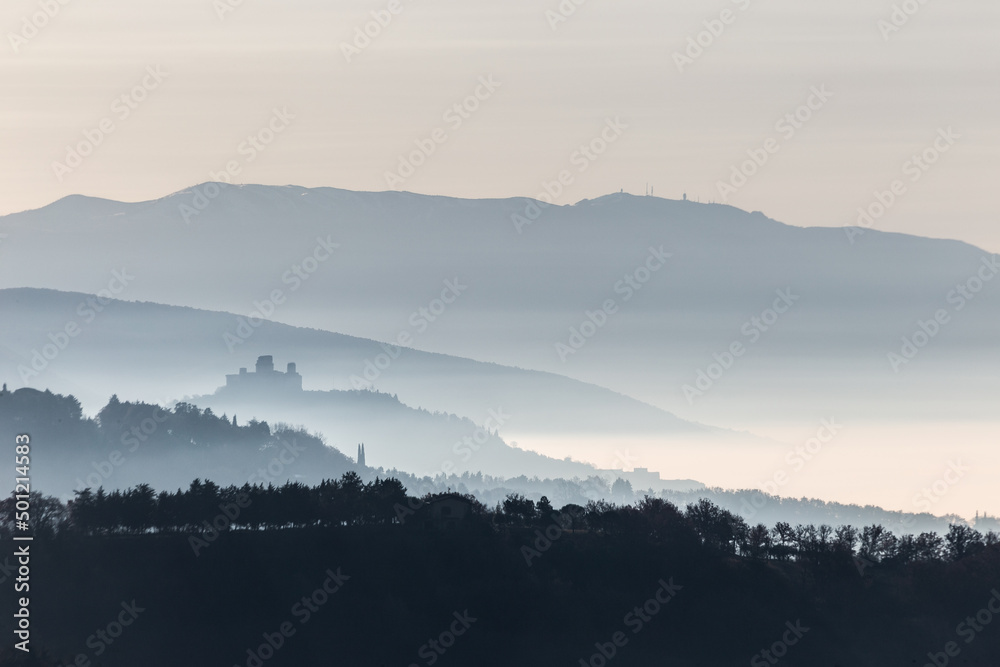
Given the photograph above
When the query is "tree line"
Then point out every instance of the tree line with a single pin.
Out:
(349, 501)
(129, 442)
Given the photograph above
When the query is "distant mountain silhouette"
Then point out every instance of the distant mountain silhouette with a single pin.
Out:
(523, 288)
(158, 352)
(129, 444)
(404, 438)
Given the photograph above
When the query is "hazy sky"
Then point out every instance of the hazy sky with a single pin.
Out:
(227, 71)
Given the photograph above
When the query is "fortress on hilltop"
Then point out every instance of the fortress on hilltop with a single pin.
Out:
(265, 378)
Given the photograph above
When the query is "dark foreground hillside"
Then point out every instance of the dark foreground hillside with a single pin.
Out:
(410, 595)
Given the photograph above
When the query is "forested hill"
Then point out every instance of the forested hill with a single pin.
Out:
(360, 574)
(127, 444)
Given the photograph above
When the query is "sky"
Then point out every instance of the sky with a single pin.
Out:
(183, 85)
(806, 111)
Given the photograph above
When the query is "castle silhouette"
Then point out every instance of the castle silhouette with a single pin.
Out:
(265, 378)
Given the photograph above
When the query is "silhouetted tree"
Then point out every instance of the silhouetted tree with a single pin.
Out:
(518, 509)
(962, 541)
(758, 543)
(544, 510)
(622, 491)
(719, 528)
(845, 539)
(783, 540)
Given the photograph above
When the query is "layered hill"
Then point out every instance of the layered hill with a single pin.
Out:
(633, 293)
(162, 354)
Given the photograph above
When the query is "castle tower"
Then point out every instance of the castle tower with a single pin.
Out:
(265, 378)
(265, 364)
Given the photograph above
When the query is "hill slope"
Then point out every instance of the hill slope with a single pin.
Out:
(517, 291)
(163, 353)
